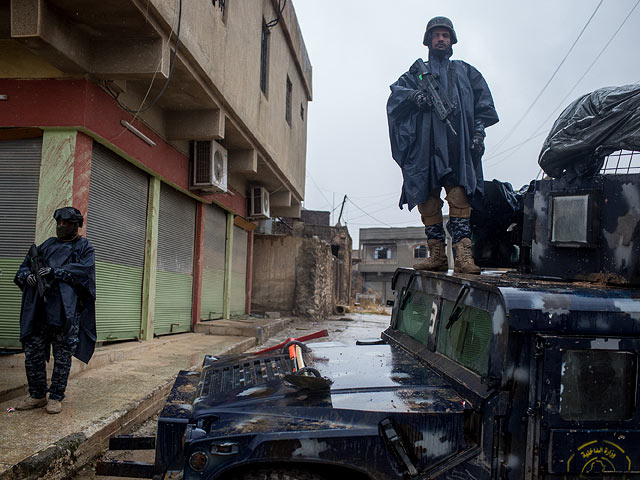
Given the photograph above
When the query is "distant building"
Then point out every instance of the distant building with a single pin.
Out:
(382, 250)
(301, 267)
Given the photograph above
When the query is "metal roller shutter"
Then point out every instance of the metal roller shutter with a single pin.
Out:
(174, 280)
(116, 226)
(213, 263)
(239, 271)
(19, 181)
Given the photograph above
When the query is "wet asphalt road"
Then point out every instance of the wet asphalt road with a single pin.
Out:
(346, 329)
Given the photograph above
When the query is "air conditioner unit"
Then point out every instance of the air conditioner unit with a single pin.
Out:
(258, 202)
(209, 166)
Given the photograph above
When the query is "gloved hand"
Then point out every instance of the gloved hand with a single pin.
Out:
(477, 145)
(44, 271)
(31, 280)
(420, 100)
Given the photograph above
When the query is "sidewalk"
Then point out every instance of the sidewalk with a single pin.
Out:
(123, 385)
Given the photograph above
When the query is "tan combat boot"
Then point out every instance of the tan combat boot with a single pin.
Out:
(437, 260)
(30, 403)
(54, 406)
(464, 260)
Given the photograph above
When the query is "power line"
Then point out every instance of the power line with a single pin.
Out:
(561, 103)
(318, 187)
(517, 124)
(367, 214)
(607, 44)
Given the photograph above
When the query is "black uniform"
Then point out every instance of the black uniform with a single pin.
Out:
(64, 317)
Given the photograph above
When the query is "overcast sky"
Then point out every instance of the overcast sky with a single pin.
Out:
(359, 47)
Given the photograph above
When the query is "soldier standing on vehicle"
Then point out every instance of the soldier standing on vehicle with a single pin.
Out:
(437, 114)
(57, 280)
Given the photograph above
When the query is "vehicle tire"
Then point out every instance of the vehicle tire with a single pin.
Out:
(277, 474)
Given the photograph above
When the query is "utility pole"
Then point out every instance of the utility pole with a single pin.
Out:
(341, 209)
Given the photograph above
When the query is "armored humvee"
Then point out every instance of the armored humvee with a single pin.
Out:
(509, 374)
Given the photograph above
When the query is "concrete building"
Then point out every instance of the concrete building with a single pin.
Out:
(156, 119)
(382, 250)
(302, 267)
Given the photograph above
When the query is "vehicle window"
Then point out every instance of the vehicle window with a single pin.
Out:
(414, 318)
(598, 385)
(467, 340)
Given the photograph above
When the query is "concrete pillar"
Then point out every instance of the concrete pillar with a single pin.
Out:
(249, 284)
(150, 260)
(65, 171)
(198, 252)
(227, 267)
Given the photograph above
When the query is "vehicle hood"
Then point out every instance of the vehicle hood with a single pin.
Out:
(373, 378)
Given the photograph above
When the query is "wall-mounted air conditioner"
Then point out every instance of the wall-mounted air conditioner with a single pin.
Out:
(209, 166)
(258, 202)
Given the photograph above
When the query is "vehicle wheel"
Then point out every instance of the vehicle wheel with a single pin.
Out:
(277, 474)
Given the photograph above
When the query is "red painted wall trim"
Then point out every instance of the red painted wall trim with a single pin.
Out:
(82, 176)
(197, 265)
(249, 282)
(81, 104)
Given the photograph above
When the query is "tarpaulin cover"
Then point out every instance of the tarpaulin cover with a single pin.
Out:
(591, 128)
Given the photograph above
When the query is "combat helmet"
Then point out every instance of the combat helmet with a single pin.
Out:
(439, 22)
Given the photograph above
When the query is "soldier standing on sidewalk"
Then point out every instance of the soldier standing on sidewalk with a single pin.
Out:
(435, 153)
(58, 309)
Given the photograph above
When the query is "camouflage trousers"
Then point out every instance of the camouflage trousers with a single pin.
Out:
(458, 228)
(36, 353)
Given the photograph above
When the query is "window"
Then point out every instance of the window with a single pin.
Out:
(467, 340)
(288, 105)
(420, 251)
(415, 319)
(264, 57)
(382, 253)
(598, 385)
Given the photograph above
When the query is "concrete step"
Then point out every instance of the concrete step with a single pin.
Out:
(259, 328)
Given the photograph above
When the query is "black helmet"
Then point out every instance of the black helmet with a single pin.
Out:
(70, 214)
(439, 22)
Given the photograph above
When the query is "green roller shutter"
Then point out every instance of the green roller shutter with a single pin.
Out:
(116, 226)
(19, 180)
(213, 263)
(238, 271)
(174, 279)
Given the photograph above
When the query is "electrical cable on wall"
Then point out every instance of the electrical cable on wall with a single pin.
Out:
(166, 83)
(269, 25)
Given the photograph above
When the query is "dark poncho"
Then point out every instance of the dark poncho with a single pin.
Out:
(419, 139)
(73, 292)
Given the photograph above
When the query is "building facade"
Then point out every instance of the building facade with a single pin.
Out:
(302, 267)
(383, 250)
(156, 119)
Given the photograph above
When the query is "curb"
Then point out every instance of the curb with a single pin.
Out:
(69, 454)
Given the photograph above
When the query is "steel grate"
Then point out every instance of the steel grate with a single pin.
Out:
(621, 162)
(250, 373)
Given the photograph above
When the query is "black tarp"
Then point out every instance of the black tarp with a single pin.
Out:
(591, 128)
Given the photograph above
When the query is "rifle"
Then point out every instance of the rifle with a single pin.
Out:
(36, 262)
(439, 102)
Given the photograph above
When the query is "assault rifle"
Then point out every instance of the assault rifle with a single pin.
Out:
(438, 101)
(36, 262)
